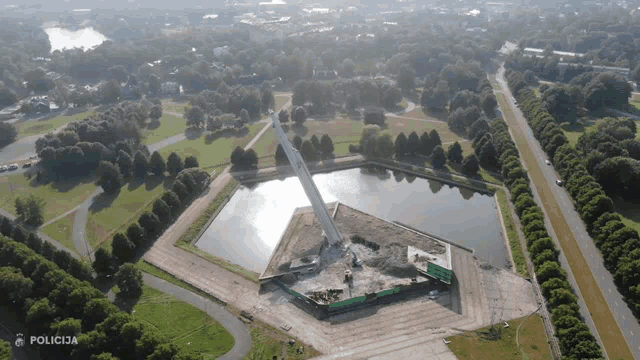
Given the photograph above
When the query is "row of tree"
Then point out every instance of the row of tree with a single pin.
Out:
(310, 149)
(52, 302)
(150, 225)
(241, 159)
(618, 244)
(576, 341)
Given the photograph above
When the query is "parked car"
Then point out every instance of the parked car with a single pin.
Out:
(13, 166)
(559, 182)
(547, 162)
(26, 165)
(3, 168)
(33, 157)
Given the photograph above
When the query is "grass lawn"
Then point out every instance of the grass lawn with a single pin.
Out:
(108, 214)
(168, 105)
(280, 101)
(268, 342)
(532, 342)
(574, 132)
(512, 235)
(214, 153)
(608, 328)
(629, 212)
(182, 323)
(43, 127)
(61, 231)
(59, 197)
(635, 102)
(169, 125)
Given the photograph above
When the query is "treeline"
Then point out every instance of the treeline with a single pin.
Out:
(141, 235)
(619, 244)
(312, 149)
(52, 302)
(576, 341)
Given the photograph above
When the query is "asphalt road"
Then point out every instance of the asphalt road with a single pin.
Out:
(237, 328)
(624, 317)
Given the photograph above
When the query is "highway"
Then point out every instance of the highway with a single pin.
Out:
(626, 321)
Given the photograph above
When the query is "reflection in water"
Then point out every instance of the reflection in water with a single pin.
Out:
(86, 38)
(249, 227)
(398, 175)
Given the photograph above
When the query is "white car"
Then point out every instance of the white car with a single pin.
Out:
(559, 182)
(13, 166)
(3, 168)
(547, 162)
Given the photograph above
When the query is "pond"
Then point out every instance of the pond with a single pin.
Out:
(250, 225)
(62, 38)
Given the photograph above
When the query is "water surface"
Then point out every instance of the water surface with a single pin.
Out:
(249, 227)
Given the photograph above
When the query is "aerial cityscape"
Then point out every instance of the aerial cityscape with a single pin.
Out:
(406, 179)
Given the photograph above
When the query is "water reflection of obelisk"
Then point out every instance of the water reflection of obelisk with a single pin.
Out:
(319, 207)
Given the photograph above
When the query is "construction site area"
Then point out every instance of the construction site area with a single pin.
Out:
(377, 259)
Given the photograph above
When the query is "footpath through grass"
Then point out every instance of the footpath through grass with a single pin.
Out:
(512, 234)
(478, 345)
(42, 127)
(170, 125)
(109, 214)
(61, 231)
(608, 328)
(211, 153)
(60, 197)
(183, 324)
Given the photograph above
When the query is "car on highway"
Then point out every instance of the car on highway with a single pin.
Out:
(559, 182)
(13, 166)
(3, 168)
(547, 162)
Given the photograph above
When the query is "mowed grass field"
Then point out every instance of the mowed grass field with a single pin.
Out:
(42, 127)
(61, 231)
(608, 328)
(170, 125)
(109, 214)
(214, 153)
(532, 342)
(60, 197)
(182, 323)
(177, 107)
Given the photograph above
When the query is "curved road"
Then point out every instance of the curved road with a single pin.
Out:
(626, 321)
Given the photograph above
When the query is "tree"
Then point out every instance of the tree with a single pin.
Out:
(104, 263)
(140, 164)
(308, 151)
(553, 284)
(194, 116)
(8, 134)
(401, 145)
(315, 142)
(110, 93)
(470, 165)
(438, 157)
(250, 158)
(283, 116)
(151, 224)
(129, 280)
(406, 79)
(164, 351)
(6, 351)
(488, 155)
(454, 153)
(477, 126)
(413, 143)
(326, 146)
(122, 248)
(524, 202)
(297, 142)
(155, 113)
(174, 163)
(135, 234)
(374, 116)
(237, 156)
(550, 269)
(191, 162)
(489, 103)
(434, 138)
(31, 209)
(299, 115)
(281, 156)
(368, 139)
(125, 163)
(162, 210)
(244, 117)
(385, 147)
(14, 285)
(180, 190)
(157, 164)
(172, 200)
